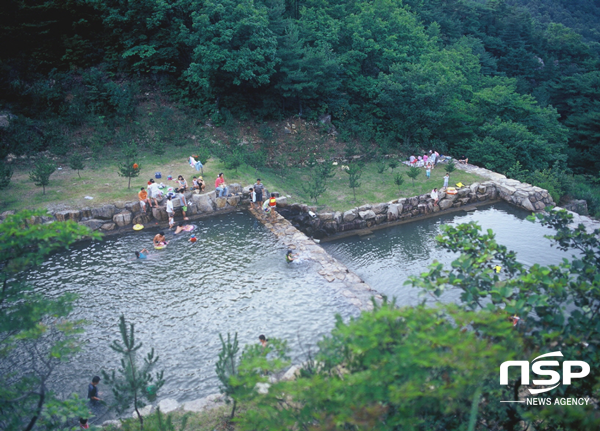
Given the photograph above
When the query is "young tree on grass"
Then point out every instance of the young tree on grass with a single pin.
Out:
(317, 184)
(42, 169)
(36, 336)
(134, 384)
(450, 167)
(413, 173)
(76, 163)
(399, 179)
(227, 368)
(393, 163)
(354, 172)
(159, 147)
(129, 168)
(6, 173)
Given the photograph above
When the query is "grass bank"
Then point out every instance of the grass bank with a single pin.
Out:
(100, 181)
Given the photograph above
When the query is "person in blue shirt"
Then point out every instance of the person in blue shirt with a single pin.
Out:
(142, 254)
(93, 391)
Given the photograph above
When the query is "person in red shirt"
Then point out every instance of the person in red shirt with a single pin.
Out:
(220, 186)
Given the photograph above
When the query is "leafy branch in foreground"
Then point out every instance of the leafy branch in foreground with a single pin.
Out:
(35, 333)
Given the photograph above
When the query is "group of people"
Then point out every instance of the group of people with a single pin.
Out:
(427, 160)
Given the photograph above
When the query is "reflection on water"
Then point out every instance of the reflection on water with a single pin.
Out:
(389, 256)
(234, 278)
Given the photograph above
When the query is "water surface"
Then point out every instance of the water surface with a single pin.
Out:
(386, 258)
(234, 278)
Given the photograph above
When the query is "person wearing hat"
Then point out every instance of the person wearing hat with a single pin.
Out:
(193, 238)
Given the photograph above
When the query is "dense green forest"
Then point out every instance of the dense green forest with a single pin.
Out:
(515, 85)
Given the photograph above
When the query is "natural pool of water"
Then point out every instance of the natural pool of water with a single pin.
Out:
(386, 258)
(234, 278)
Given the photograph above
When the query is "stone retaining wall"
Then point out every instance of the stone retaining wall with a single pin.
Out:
(321, 225)
(115, 218)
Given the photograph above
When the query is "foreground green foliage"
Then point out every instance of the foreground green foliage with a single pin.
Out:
(36, 335)
(134, 384)
(424, 367)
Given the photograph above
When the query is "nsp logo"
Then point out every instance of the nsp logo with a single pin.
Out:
(538, 368)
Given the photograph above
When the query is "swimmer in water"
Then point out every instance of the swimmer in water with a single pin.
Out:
(263, 340)
(160, 239)
(289, 257)
(183, 228)
(141, 254)
(193, 238)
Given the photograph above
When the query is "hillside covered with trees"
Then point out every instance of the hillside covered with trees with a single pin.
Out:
(502, 81)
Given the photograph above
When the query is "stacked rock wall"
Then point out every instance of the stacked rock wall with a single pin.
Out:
(110, 219)
(366, 216)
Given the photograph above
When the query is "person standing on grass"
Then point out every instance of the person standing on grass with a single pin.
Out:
(446, 179)
(428, 171)
(259, 189)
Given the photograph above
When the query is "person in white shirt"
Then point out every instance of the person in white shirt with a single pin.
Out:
(153, 192)
(434, 195)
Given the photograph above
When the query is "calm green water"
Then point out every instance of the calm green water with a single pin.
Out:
(234, 278)
(389, 256)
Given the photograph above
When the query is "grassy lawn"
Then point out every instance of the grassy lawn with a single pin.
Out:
(374, 187)
(100, 180)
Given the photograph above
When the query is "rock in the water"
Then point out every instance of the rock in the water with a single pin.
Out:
(367, 215)
(93, 224)
(206, 403)
(74, 215)
(525, 203)
(392, 212)
(108, 226)
(291, 373)
(144, 411)
(168, 405)
(105, 212)
(578, 206)
(122, 219)
(160, 214)
(221, 203)
(141, 219)
(350, 215)
(445, 204)
(234, 200)
(262, 388)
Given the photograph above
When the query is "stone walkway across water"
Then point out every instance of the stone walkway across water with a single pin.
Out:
(337, 274)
